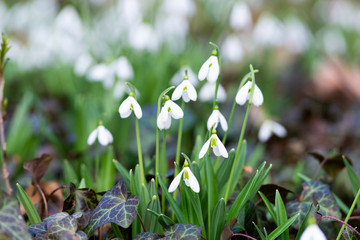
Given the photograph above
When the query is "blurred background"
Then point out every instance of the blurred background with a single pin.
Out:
(70, 61)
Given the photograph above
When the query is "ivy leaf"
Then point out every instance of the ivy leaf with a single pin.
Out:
(38, 166)
(115, 206)
(55, 218)
(313, 191)
(62, 229)
(81, 200)
(12, 223)
(186, 231)
(147, 236)
(37, 228)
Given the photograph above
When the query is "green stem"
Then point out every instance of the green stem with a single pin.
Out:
(163, 172)
(142, 173)
(349, 214)
(241, 136)
(97, 168)
(242, 82)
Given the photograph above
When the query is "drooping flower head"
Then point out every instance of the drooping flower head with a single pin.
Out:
(210, 69)
(245, 92)
(215, 143)
(168, 111)
(215, 118)
(189, 179)
(207, 93)
(130, 105)
(268, 127)
(185, 90)
(102, 134)
(313, 232)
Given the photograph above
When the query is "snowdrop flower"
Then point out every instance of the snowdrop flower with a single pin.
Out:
(210, 69)
(207, 93)
(185, 90)
(128, 105)
(178, 76)
(189, 179)
(170, 109)
(102, 134)
(312, 232)
(245, 92)
(240, 17)
(232, 49)
(215, 118)
(215, 143)
(269, 127)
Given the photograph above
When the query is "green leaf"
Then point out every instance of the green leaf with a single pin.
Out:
(69, 173)
(261, 234)
(37, 228)
(164, 220)
(178, 213)
(62, 229)
(183, 231)
(12, 223)
(123, 172)
(115, 206)
(81, 200)
(29, 207)
(281, 215)
(107, 171)
(269, 207)
(151, 220)
(304, 223)
(218, 218)
(321, 193)
(282, 228)
(222, 174)
(85, 174)
(354, 180)
(147, 236)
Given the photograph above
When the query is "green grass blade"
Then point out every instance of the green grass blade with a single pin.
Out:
(85, 174)
(218, 217)
(261, 234)
(303, 224)
(354, 180)
(281, 215)
(268, 206)
(30, 209)
(283, 227)
(123, 172)
(222, 174)
(69, 174)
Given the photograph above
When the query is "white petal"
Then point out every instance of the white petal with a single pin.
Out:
(265, 131)
(213, 120)
(119, 90)
(278, 129)
(213, 69)
(136, 108)
(125, 108)
(191, 91)
(243, 94)
(221, 147)
(258, 98)
(104, 136)
(186, 97)
(176, 111)
(221, 94)
(204, 148)
(216, 151)
(204, 69)
(162, 118)
(175, 183)
(167, 124)
(223, 122)
(92, 137)
(193, 182)
(98, 72)
(178, 92)
(207, 92)
(312, 232)
(109, 136)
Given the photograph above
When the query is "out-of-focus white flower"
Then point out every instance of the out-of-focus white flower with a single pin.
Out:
(100, 72)
(185, 90)
(128, 105)
(123, 68)
(297, 36)
(189, 179)
(215, 118)
(207, 92)
(210, 69)
(268, 31)
(143, 37)
(168, 111)
(185, 8)
(333, 41)
(232, 49)
(240, 17)
(268, 127)
(178, 76)
(102, 134)
(245, 92)
(217, 146)
(313, 232)
(82, 64)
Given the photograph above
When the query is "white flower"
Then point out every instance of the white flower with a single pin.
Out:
(207, 93)
(240, 17)
(186, 90)
(312, 232)
(232, 49)
(128, 105)
(217, 146)
(269, 127)
(178, 76)
(215, 118)
(189, 179)
(102, 134)
(244, 94)
(170, 109)
(210, 69)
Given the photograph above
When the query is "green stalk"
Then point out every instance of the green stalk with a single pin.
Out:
(349, 214)
(242, 82)
(178, 147)
(163, 172)
(142, 174)
(241, 135)
(97, 167)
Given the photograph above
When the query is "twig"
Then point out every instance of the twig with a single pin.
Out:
(55, 190)
(43, 198)
(319, 167)
(243, 235)
(344, 223)
(142, 223)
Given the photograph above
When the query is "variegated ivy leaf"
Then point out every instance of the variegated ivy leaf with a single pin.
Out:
(147, 236)
(37, 228)
(183, 231)
(12, 223)
(313, 190)
(115, 206)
